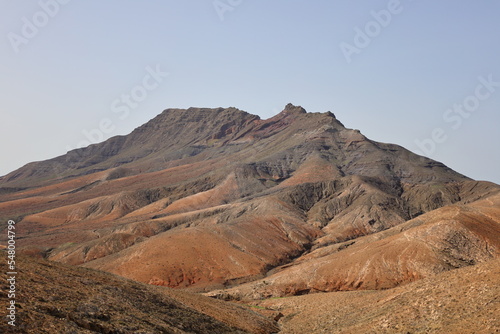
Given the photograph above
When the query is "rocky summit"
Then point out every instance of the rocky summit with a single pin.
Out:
(221, 202)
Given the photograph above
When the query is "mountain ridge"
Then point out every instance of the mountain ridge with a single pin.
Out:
(204, 128)
(212, 198)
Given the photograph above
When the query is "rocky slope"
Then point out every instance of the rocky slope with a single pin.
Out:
(458, 301)
(54, 298)
(448, 238)
(178, 137)
(211, 199)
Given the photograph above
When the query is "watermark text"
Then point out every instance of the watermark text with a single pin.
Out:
(224, 6)
(456, 114)
(123, 105)
(11, 273)
(364, 36)
(32, 26)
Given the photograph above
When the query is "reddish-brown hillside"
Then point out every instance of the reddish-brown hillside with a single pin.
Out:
(55, 298)
(211, 199)
(461, 301)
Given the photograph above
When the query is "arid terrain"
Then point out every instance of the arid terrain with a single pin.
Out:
(317, 227)
(54, 298)
(465, 300)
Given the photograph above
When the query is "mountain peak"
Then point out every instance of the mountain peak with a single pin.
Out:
(182, 136)
(290, 108)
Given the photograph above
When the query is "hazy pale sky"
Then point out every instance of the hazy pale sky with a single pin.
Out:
(422, 74)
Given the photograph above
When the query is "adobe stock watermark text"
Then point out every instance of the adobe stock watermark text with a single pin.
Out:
(380, 20)
(456, 114)
(11, 273)
(224, 6)
(31, 26)
(123, 105)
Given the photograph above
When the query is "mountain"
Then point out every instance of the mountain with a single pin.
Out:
(223, 202)
(178, 137)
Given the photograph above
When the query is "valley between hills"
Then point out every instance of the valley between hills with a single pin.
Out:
(216, 221)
